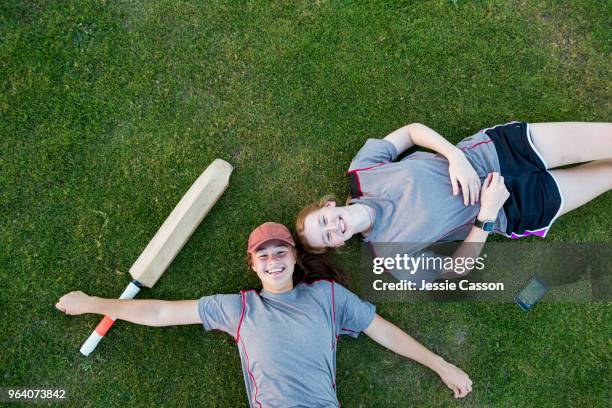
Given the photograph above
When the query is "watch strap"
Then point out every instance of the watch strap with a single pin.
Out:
(487, 226)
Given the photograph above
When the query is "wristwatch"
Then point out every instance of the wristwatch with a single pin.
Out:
(485, 226)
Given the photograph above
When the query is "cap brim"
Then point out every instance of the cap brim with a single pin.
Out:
(256, 245)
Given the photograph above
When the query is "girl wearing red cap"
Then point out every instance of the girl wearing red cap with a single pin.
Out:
(286, 333)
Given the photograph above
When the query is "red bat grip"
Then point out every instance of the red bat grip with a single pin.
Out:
(104, 325)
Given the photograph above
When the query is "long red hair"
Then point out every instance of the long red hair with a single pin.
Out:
(301, 219)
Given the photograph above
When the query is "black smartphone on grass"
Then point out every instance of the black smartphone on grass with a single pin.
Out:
(531, 293)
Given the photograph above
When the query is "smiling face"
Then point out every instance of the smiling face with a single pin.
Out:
(328, 227)
(274, 261)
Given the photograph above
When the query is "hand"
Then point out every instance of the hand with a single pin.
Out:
(492, 197)
(461, 172)
(455, 379)
(74, 303)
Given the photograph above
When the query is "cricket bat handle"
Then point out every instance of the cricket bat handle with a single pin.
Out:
(107, 322)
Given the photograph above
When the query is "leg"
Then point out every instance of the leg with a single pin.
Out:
(563, 143)
(583, 183)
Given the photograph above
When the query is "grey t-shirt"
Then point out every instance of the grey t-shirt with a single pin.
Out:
(287, 342)
(413, 197)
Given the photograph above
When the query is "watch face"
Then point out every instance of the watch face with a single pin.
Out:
(488, 226)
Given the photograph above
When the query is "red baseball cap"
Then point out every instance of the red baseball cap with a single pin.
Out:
(267, 232)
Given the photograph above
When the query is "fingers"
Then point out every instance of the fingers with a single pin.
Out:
(470, 190)
(500, 183)
(60, 308)
(461, 391)
(457, 380)
(466, 389)
(61, 303)
(466, 193)
(491, 180)
(473, 191)
(495, 178)
(455, 186)
(487, 181)
(477, 189)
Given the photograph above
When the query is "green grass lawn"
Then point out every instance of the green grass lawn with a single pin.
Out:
(109, 110)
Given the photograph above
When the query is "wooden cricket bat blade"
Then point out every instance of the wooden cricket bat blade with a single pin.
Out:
(181, 223)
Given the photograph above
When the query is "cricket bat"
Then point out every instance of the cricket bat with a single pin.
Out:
(170, 238)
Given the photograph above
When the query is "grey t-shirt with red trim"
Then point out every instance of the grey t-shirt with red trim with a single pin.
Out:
(287, 342)
(413, 197)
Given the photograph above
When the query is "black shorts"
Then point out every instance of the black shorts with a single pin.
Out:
(535, 198)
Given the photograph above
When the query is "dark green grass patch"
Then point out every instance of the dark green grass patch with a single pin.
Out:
(110, 110)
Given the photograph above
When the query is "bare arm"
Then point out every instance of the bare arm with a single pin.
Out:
(396, 340)
(470, 249)
(146, 312)
(460, 170)
(420, 135)
(494, 194)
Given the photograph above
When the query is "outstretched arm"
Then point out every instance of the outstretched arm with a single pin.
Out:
(395, 339)
(146, 312)
(460, 170)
